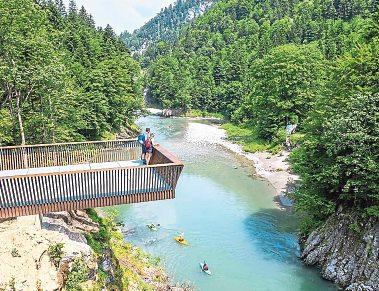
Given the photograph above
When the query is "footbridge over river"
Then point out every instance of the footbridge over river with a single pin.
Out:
(38, 179)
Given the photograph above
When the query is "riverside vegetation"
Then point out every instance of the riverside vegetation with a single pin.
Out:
(314, 63)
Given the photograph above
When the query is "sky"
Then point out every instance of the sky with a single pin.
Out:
(122, 14)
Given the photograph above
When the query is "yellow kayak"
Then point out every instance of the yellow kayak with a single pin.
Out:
(183, 242)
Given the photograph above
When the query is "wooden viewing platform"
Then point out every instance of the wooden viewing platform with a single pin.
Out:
(37, 179)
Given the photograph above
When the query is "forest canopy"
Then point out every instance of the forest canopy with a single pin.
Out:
(62, 79)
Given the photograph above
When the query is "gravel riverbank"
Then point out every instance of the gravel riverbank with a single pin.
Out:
(273, 168)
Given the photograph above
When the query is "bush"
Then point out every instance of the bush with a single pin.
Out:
(77, 275)
(55, 253)
(373, 211)
(279, 138)
(312, 209)
(296, 139)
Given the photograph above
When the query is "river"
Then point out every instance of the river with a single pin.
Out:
(228, 217)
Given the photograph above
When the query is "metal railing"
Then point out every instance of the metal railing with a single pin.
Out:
(57, 191)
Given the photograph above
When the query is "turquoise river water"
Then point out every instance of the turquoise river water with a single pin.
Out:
(228, 217)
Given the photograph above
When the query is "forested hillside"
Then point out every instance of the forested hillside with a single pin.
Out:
(266, 64)
(62, 79)
(152, 38)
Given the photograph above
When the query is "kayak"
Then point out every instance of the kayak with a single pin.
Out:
(183, 242)
(205, 271)
(152, 227)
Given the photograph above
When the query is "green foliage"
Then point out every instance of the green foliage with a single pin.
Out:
(338, 156)
(296, 139)
(15, 253)
(92, 214)
(337, 160)
(95, 245)
(312, 209)
(77, 275)
(128, 262)
(62, 79)
(373, 211)
(55, 253)
(5, 127)
(100, 240)
(279, 137)
(354, 228)
(285, 81)
(156, 36)
(246, 136)
(256, 61)
(200, 113)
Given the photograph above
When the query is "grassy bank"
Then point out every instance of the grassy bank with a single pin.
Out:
(203, 114)
(247, 136)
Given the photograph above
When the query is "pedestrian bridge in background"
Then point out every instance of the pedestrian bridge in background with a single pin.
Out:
(38, 179)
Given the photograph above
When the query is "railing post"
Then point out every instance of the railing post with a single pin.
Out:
(25, 158)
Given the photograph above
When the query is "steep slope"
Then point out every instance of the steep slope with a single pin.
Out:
(353, 261)
(214, 62)
(166, 25)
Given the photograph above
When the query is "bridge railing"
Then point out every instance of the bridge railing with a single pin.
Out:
(61, 154)
(57, 191)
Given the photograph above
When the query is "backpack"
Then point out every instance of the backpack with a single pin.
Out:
(141, 139)
(148, 143)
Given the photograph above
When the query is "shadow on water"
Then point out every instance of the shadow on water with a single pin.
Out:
(274, 231)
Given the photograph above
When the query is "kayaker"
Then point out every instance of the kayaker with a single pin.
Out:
(181, 237)
(205, 266)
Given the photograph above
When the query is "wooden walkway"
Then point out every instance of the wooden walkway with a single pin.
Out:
(46, 178)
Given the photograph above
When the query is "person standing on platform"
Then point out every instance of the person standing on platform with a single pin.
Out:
(142, 141)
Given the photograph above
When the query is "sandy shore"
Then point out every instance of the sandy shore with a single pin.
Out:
(273, 168)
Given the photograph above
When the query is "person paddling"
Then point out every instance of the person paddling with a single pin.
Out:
(205, 266)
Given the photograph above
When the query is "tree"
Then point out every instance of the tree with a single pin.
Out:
(285, 85)
(339, 162)
(29, 63)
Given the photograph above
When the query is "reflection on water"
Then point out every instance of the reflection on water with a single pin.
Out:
(228, 217)
(270, 230)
